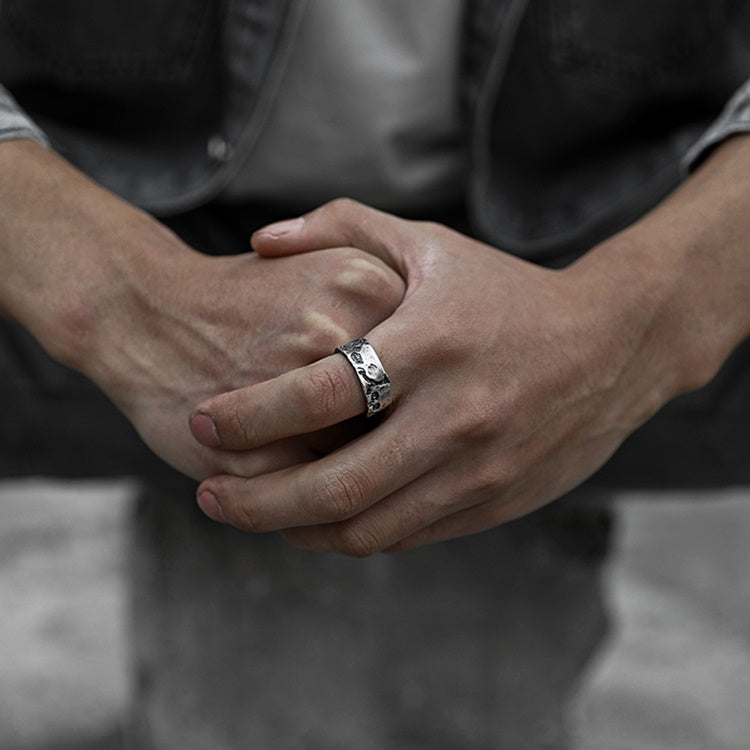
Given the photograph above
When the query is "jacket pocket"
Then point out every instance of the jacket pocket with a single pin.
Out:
(643, 44)
(112, 42)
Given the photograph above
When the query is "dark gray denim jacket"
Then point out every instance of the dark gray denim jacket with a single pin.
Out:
(580, 114)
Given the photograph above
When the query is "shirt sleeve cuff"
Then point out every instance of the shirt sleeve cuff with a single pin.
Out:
(733, 120)
(14, 123)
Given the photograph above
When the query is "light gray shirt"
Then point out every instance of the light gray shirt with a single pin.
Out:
(368, 107)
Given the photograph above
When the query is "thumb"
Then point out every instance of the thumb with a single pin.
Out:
(340, 223)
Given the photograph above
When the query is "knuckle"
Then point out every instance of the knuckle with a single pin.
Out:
(344, 213)
(342, 206)
(379, 282)
(324, 333)
(320, 392)
(357, 541)
(235, 509)
(431, 227)
(490, 480)
(245, 519)
(437, 231)
(339, 495)
(359, 273)
(367, 287)
(479, 418)
(236, 427)
(499, 477)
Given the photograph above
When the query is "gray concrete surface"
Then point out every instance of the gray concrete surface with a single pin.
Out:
(676, 673)
(63, 663)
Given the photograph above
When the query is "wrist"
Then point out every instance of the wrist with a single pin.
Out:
(679, 279)
(74, 256)
(629, 331)
(101, 314)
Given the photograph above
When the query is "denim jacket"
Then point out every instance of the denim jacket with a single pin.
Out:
(580, 114)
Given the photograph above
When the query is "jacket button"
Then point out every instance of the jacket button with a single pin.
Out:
(218, 148)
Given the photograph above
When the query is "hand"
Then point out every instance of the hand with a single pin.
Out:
(221, 323)
(159, 327)
(512, 384)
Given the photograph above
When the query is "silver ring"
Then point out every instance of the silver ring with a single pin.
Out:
(372, 376)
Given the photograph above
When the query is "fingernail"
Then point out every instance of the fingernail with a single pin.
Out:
(209, 504)
(280, 228)
(204, 430)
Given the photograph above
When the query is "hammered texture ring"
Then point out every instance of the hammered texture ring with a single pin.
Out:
(373, 378)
